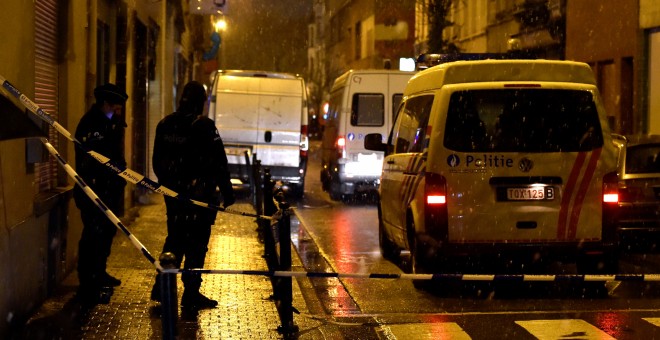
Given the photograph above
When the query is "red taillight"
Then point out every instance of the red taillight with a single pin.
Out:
(435, 189)
(341, 147)
(610, 207)
(436, 199)
(611, 188)
(304, 141)
(435, 207)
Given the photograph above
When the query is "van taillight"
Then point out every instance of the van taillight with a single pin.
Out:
(611, 188)
(435, 207)
(436, 199)
(304, 141)
(610, 207)
(435, 189)
(341, 147)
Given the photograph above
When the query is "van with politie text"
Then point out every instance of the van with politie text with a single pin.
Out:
(500, 165)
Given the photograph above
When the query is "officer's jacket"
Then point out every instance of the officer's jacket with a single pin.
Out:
(105, 136)
(189, 157)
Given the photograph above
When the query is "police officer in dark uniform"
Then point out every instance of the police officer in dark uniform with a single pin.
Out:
(101, 129)
(189, 158)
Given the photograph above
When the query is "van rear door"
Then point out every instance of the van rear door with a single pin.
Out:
(525, 165)
(262, 114)
(279, 124)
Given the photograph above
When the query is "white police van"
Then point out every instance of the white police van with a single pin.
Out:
(262, 113)
(500, 164)
(361, 102)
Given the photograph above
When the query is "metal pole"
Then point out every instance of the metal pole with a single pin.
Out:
(258, 189)
(168, 294)
(270, 253)
(248, 168)
(285, 283)
(269, 206)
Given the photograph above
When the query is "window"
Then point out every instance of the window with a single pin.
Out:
(522, 120)
(396, 101)
(644, 158)
(410, 127)
(368, 109)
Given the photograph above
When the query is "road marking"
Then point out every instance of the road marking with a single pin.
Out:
(563, 329)
(654, 321)
(421, 331)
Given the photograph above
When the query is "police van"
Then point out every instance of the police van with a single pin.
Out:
(262, 113)
(361, 102)
(505, 164)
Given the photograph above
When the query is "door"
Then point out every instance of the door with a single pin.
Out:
(402, 169)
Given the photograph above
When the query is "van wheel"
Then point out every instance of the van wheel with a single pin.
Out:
(324, 181)
(607, 263)
(418, 258)
(335, 190)
(387, 248)
(297, 190)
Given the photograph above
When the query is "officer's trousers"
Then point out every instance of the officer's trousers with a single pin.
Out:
(94, 246)
(188, 234)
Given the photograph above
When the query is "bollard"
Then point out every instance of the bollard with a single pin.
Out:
(285, 283)
(269, 205)
(248, 168)
(269, 209)
(258, 189)
(168, 294)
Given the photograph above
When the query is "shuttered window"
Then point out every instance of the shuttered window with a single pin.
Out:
(45, 85)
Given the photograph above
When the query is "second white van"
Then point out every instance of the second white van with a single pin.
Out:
(361, 102)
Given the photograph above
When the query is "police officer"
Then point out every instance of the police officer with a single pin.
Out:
(101, 129)
(189, 157)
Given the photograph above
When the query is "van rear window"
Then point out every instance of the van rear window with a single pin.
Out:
(522, 120)
(368, 109)
(644, 158)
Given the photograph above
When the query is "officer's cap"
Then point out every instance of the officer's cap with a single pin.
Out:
(110, 93)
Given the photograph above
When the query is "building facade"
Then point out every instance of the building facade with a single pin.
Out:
(362, 34)
(56, 52)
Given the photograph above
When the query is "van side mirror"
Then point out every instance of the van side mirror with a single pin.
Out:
(374, 142)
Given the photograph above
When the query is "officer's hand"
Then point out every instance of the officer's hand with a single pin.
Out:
(228, 201)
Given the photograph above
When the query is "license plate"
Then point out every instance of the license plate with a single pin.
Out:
(530, 193)
(371, 157)
(236, 151)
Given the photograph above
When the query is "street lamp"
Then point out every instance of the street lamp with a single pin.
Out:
(220, 25)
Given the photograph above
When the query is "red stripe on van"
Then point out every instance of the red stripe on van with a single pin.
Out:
(581, 193)
(568, 192)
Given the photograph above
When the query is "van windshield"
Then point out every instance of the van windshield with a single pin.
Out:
(522, 120)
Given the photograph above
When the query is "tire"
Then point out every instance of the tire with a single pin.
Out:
(335, 190)
(418, 258)
(607, 263)
(297, 190)
(324, 181)
(388, 249)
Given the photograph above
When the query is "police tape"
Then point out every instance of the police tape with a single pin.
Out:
(97, 201)
(122, 171)
(432, 277)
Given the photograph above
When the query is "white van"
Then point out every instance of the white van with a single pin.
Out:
(500, 162)
(262, 113)
(361, 102)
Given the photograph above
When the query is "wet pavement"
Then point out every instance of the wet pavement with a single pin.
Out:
(245, 310)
